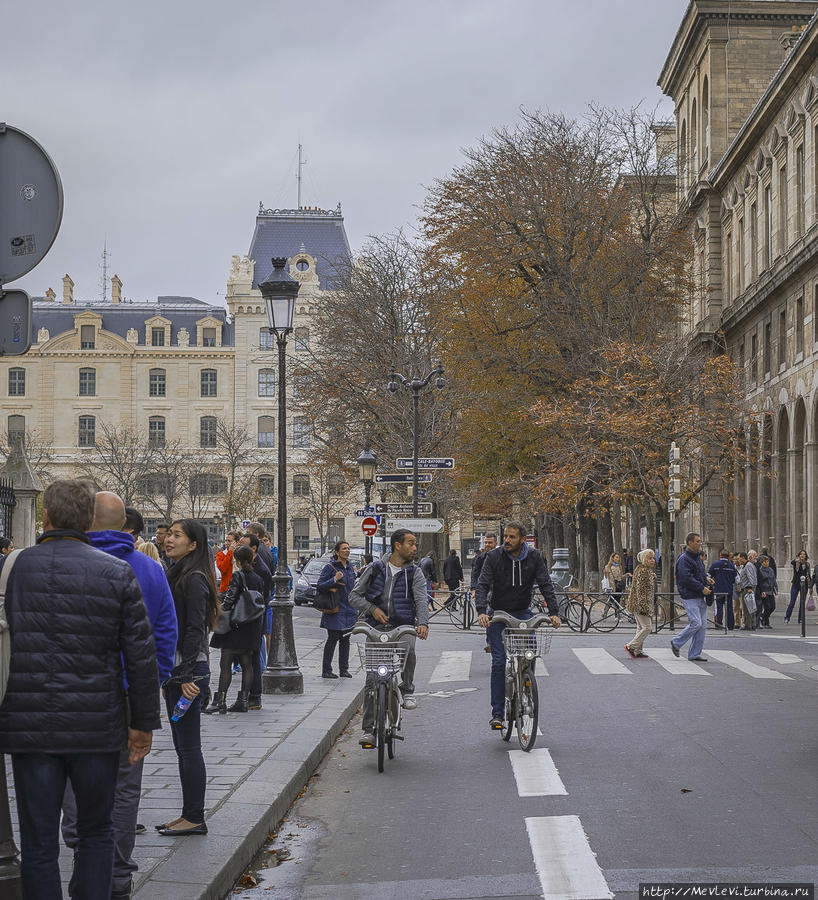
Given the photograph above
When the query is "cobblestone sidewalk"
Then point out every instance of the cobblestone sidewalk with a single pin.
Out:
(257, 762)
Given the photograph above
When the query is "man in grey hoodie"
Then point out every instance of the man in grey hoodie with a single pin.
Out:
(748, 583)
(392, 592)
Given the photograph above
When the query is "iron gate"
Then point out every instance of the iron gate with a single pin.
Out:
(6, 507)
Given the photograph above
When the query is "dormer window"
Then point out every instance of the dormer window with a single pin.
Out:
(157, 331)
(88, 337)
(208, 337)
(157, 337)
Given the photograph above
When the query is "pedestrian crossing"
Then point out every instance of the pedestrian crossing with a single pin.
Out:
(458, 666)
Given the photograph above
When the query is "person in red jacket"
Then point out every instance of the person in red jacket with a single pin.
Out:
(224, 559)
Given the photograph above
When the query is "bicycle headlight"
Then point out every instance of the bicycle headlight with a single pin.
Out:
(529, 654)
(382, 670)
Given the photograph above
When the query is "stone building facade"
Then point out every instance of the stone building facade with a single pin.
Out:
(744, 80)
(170, 369)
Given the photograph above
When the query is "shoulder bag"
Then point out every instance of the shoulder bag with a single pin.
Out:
(248, 607)
(5, 634)
(325, 602)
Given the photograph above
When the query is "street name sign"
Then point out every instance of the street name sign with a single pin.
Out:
(419, 526)
(400, 478)
(364, 512)
(403, 509)
(425, 462)
(369, 526)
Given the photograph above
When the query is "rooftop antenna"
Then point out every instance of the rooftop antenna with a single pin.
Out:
(103, 281)
(301, 164)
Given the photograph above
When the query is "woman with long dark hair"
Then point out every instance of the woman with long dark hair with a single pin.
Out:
(337, 579)
(241, 643)
(193, 585)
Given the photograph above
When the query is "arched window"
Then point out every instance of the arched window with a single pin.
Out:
(266, 383)
(266, 339)
(17, 382)
(16, 426)
(157, 383)
(156, 431)
(87, 436)
(266, 431)
(705, 121)
(267, 485)
(208, 383)
(683, 157)
(88, 383)
(301, 485)
(694, 143)
(302, 338)
(207, 432)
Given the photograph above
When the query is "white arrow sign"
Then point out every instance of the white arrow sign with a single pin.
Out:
(419, 526)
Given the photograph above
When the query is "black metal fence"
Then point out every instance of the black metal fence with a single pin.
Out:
(6, 507)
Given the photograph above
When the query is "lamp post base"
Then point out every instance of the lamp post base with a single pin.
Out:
(277, 682)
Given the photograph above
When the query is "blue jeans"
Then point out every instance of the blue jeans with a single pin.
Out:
(39, 782)
(795, 591)
(721, 599)
(259, 665)
(187, 740)
(494, 635)
(695, 629)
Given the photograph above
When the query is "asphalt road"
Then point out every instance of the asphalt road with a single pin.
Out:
(641, 774)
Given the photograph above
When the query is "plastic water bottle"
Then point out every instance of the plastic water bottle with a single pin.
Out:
(182, 706)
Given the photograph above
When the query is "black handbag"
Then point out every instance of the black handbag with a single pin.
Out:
(325, 602)
(248, 607)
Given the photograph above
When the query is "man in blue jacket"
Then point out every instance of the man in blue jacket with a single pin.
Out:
(107, 534)
(693, 585)
(724, 575)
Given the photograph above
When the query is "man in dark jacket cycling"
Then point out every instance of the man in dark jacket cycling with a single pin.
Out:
(510, 573)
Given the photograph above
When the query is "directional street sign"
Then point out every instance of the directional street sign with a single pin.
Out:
(364, 512)
(369, 526)
(425, 462)
(400, 509)
(419, 526)
(400, 477)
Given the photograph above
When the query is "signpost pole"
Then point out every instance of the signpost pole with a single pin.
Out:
(416, 440)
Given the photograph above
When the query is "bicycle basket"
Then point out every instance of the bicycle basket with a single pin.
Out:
(518, 643)
(374, 657)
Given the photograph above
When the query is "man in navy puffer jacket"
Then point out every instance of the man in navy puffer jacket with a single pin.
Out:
(693, 585)
(107, 535)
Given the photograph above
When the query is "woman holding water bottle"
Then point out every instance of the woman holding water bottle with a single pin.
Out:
(196, 599)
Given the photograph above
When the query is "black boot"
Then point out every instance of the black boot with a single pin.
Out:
(241, 703)
(219, 704)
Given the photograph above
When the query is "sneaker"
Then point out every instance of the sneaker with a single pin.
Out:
(346, 674)
(367, 741)
(140, 828)
(410, 702)
(675, 649)
(642, 656)
(495, 723)
(254, 703)
(328, 675)
(631, 653)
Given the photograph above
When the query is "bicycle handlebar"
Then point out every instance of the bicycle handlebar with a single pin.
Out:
(376, 634)
(534, 622)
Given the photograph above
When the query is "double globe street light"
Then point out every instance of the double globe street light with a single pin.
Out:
(282, 675)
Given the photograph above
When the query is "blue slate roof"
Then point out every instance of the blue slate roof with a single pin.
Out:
(285, 232)
(118, 318)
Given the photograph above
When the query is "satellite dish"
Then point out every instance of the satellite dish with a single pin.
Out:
(31, 202)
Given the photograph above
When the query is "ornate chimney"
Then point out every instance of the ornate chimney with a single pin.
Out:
(116, 289)
(50, 295)
(67, 290)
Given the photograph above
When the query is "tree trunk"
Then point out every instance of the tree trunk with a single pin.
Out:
(589, 559)
(604, 538)
(668, 559)
(635, 528)
(650, 521)
(569, 540)
(616, 526)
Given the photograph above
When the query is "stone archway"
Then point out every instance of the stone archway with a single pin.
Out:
(798, 470)
(783, 538)
(766, 517)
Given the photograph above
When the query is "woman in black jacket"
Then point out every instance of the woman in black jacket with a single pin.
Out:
(239, 644)
(193, 585)
(800, 569)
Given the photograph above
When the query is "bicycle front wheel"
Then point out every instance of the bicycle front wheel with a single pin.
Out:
(604, 615)
(511, 715)
(380, 725)
(527, 712)
(576, 616)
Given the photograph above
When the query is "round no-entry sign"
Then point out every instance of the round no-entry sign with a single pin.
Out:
(369, 526)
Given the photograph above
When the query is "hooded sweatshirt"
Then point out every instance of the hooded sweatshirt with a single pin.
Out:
(511, 581)
(155, 592)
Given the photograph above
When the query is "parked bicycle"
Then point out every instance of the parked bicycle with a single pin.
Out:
(458, 606)
(383, 659)
(523, 643)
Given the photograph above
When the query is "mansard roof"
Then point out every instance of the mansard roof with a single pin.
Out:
(286, 232)
(119, 318)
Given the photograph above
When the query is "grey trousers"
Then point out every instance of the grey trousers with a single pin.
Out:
(126, 810)
(407, 683)
(643, 629)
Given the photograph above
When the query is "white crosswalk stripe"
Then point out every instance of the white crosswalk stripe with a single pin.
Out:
(664, 656)
(535, 773)
(454, 665)
(731, 658)
(566, 865)
(784, 659)
(599, 662)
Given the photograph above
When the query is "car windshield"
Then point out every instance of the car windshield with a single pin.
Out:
(314, 567)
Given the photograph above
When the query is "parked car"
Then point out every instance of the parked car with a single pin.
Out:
(307, 579)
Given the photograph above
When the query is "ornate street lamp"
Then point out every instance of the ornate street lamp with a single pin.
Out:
(416, 384)
(282, 675)
(367, 463)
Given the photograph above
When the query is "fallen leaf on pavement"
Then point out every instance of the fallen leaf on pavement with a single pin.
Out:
(248, 880)
(686, 791)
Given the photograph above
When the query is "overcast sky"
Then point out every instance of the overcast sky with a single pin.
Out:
(169, 121)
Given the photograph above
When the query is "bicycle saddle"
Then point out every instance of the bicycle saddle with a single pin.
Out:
(522, 624)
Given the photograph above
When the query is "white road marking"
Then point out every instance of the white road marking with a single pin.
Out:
(664, 656)
(535, 774)
(599, 662)
(454, 665)
(731, 658)
(565, 863)
(784, 659)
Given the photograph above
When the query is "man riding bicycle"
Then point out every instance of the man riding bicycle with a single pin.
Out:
(392, 592)
(509, 574)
